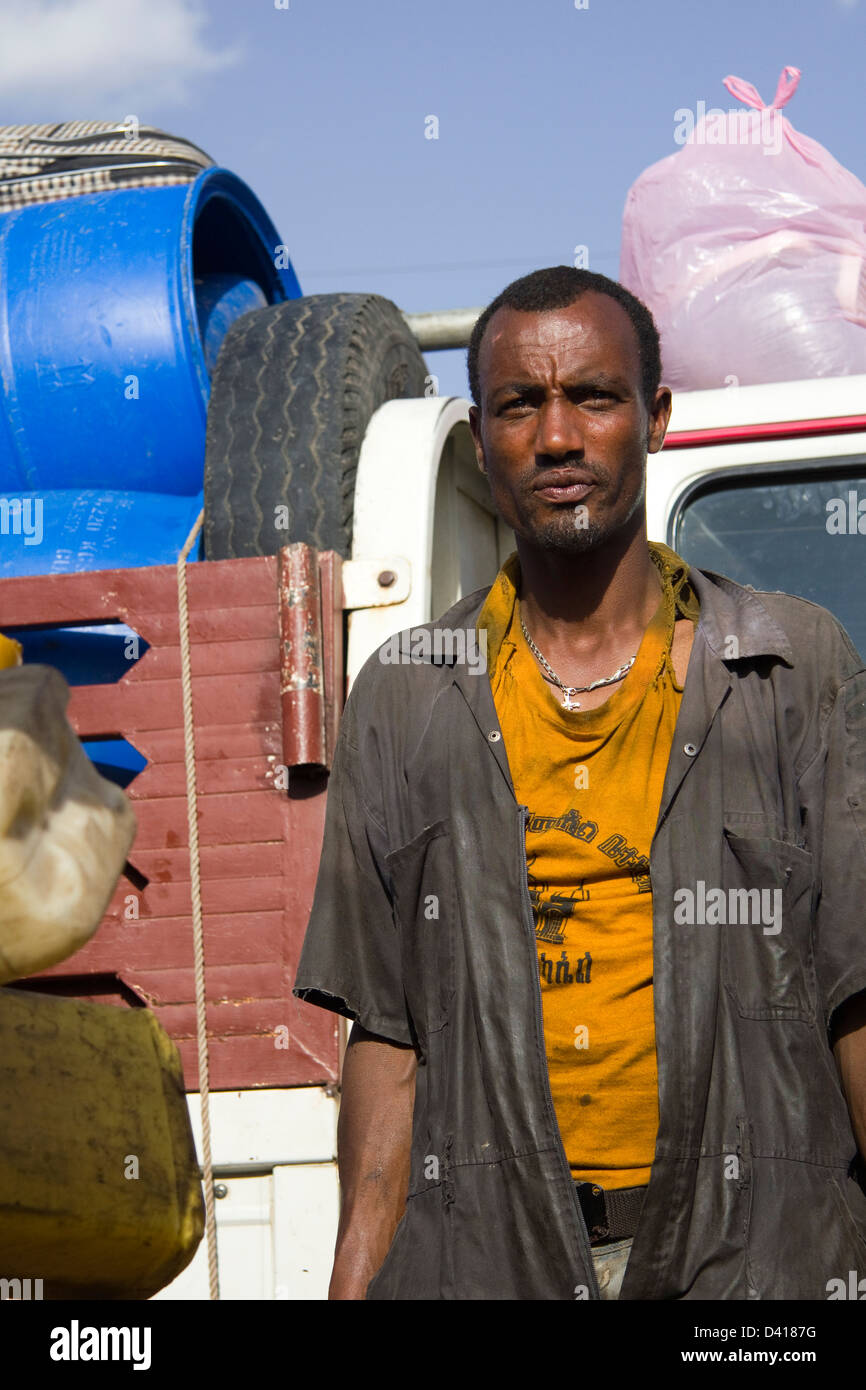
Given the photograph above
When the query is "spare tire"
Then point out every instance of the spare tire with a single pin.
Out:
(292, 394)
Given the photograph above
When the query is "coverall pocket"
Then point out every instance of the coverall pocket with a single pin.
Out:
(422, 879)
(767, 936)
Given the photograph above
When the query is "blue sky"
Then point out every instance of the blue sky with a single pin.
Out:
(547, 113)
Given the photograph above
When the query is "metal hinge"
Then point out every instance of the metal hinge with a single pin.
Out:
(376, 583)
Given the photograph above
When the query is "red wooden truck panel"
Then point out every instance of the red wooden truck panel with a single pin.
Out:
(260, 845)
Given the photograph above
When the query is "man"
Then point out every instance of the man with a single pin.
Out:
(596, 911)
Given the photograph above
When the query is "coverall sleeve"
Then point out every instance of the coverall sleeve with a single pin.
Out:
(350, 961)
(840, 926)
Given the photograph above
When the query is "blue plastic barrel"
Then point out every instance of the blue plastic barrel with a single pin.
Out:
(220, 299)
(103, 299)
(113, 308)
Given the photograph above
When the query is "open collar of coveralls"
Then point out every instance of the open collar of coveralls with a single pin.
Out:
(727, 610)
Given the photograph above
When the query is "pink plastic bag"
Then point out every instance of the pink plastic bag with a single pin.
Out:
(749, 247)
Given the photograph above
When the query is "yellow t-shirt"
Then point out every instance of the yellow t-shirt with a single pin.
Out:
(592, 781)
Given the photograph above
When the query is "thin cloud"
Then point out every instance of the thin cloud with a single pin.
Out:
(74, 58)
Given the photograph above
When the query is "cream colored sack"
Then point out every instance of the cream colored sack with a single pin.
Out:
(64, 830)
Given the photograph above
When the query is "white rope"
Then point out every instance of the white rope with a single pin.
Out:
(197, 929)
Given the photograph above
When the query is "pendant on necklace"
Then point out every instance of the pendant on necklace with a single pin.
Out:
(566, 699)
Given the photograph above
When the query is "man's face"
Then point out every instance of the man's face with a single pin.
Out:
(564, 431)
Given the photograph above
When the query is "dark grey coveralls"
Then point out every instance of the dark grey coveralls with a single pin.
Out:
(754, 1192)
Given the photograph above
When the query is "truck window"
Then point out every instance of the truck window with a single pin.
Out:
(797, 532)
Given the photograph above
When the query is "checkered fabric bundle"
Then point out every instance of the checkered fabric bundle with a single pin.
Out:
(39, 163)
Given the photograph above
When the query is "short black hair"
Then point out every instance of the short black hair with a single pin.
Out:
(556, 288)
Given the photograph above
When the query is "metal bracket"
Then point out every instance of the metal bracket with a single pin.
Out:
(376, 583)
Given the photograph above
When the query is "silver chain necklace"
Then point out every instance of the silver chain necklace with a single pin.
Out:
(569, 690)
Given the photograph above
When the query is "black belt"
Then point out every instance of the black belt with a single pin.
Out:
(610, 1215)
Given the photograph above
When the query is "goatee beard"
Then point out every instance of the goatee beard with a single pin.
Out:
(555, 534)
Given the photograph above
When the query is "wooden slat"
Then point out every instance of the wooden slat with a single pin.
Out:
(235, 987)
(261, 1016)
(244, 816)
(223, 741)
(100, 595)
(245, 863)
(223, 658)
(214, 776)
(206, 626)
(253, 937)
(105, 709)
(236, 1059)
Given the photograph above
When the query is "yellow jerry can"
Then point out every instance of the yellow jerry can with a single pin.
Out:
(10, 652)
(100, 1192)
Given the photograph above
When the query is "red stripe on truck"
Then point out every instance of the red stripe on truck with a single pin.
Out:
(776, 429)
